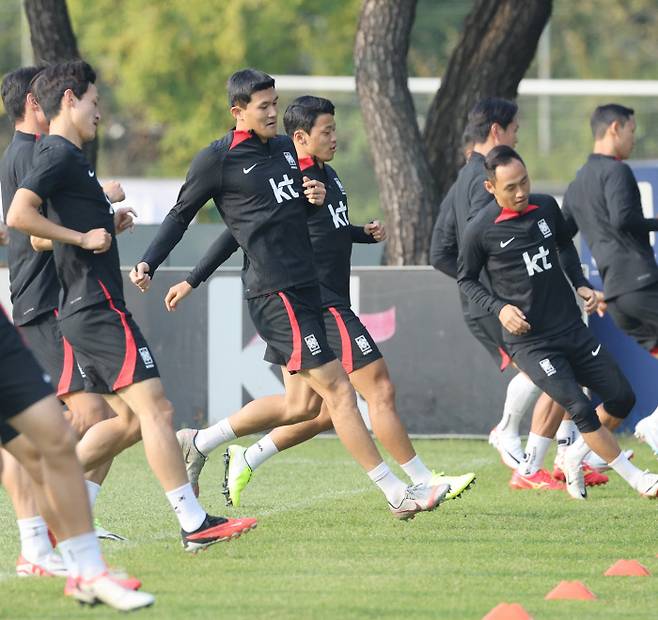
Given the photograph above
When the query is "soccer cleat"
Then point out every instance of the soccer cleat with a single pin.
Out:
(51, 565)
(457, 484)
(104, 534)
(592, 476)
(194, 460)
(509, 448)
(214, 530)
(575, 481)
(647, 485)
(647, 430)
(123, 578)
(596, 462)
(109, 591)
(419, 498)
(540, 480)
(237, 474)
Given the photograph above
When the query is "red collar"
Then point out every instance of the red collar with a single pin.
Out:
(239, 136)
(306, 162)
(508, 214)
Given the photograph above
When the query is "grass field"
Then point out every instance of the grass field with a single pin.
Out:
(327, 547)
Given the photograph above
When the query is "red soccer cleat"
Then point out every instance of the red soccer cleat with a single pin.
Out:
(541, 480)
(214, 530)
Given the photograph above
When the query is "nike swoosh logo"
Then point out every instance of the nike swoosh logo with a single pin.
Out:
(90, 173)
(504, 244)
(248, 170)
(596, 351)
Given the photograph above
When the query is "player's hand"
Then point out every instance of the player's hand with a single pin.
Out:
(4, 234)
(602, 306)
(176, 294)
(589, 297)
(314, 191)
(376, 230)
(513, 320)
(98, 240)
(123, 219)
(114, 191)
(139, 276)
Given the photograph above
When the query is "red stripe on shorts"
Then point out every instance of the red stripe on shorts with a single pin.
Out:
(345, 342)
(505, 359)
(64, 385)
(295, 361)
(127, 372)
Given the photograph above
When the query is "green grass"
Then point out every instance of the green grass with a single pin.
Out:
(327, 547)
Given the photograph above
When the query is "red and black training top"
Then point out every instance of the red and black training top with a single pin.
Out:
(257, 188)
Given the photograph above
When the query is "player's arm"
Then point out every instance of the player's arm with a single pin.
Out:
(624, 203)
(444, 248)
(202, 183)
(373, 232)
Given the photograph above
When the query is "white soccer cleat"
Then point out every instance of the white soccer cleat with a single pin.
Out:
(509, 447)
(596, 462)
(647, 485)
(237, 474)
(107, 590)
(574, 476)
(647, 430)
(51, 565)
(194, 460)
(104, 534)
(419, 498)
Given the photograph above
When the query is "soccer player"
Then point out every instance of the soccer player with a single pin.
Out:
(603, 202)
(107, 343)
(30, 407)
(516, 239)
(310, 123)
(253, 176)
(34, 293)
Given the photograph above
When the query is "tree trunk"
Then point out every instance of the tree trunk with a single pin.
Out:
(495, 49)
(53, 41)
(406, 188)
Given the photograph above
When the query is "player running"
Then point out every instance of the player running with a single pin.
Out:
(254, 178)
(517, 241)
(310, 123)
(107, 343)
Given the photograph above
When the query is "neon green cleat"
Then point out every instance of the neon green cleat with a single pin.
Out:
(237, 474)
(458, 484)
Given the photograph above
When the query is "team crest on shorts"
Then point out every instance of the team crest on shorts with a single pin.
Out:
(545, 230)
(290, 159)
(363, 344)
(146, 357)
(547, 367)
(312, 344)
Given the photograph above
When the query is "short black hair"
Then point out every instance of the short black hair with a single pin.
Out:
(51, 84)
(304, 111)
(467, 137)
(487, 112)
(244, 83)
(607, 114)
(14, 90)
(500, 156)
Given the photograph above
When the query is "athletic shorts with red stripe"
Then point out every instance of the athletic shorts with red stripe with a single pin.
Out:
(489, 333)
(291, 324)
(22, 381)
(108, 346)
(53, 352)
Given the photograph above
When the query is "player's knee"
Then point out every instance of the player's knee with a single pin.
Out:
(622, 403)
(132, 430)
(385, 393)
(584, 416)
(161, 412)
(60, 446)
(302, 411)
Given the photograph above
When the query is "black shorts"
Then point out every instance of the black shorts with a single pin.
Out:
(110, 350)
(22, 381)
(636, 314)
(53, 352)
(559, 366)
(7, 433)
(291, 324)
(489, 333)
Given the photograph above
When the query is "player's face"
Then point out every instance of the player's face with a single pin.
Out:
(509, 135)
(85, 114)
(511, 186)
(625, 139)
(260, 114)
(322, 139)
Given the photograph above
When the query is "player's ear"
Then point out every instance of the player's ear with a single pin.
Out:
(236, 112)
(300, 136)
(489, 186)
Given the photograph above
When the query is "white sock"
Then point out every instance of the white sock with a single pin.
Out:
(626, 469)
(521, 395)
(655, 414)
(187, 508)
(535, 452)
(392, 487)
(566, 435)
(93, 490)
(82, 555)
(257, 453)
(35, 544)
(417, 470)
(207, 439)
(577, 451)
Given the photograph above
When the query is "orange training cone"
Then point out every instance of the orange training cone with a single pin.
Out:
(573, 590)
(627, 568)
(508, 611)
